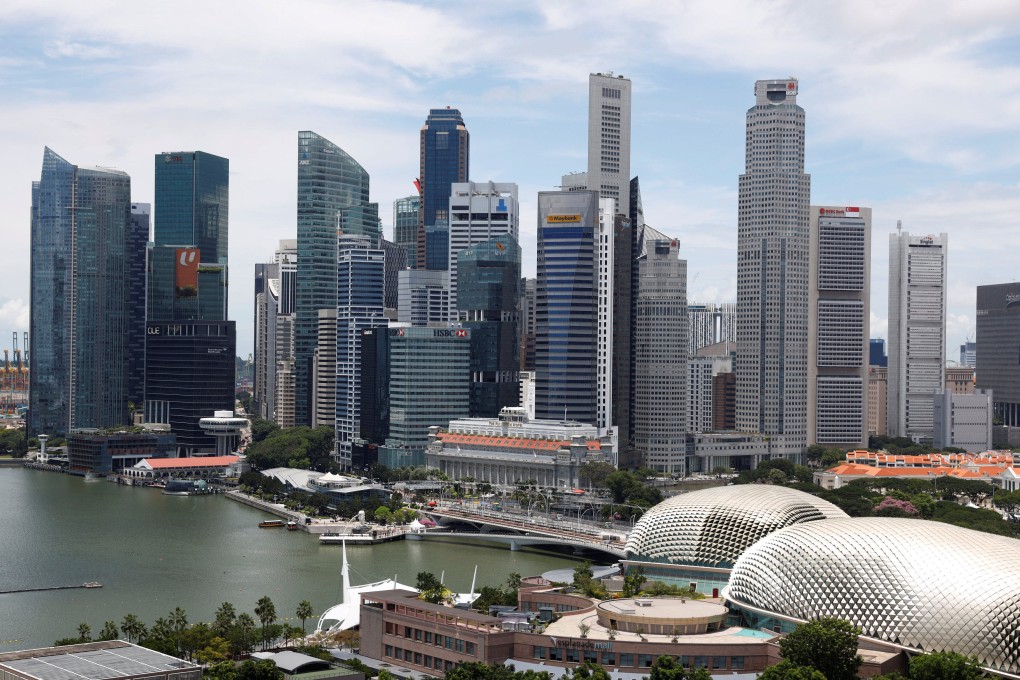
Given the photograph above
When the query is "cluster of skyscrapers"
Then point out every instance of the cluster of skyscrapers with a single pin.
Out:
(383, 340)
(127, 329)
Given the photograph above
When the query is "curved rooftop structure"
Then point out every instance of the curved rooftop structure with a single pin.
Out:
(914, 584)
(713, 527)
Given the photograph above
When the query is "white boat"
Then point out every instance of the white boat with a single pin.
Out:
(347, 614)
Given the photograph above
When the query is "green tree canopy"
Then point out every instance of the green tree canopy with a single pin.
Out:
(787, 670)
(827, 644)
(668, 668)
(944, 666)
(479, 671)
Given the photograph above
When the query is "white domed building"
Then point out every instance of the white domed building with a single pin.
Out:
(910, 584)
(694, 539)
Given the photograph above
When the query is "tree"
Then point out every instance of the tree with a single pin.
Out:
(132, 628)
(513, 581)
(110, 631)
(217, 650)
(224, 670)
(944, 666)
(474, 670)
(266, 611)
(304, 612)
(224, 619)
(242, 635)
(787, 670)
(259, 670)
(383, 515)
(430, 587)
(587, 671)
(827, 644)
(84, 632)
(1009, 503)
(633, 581)
(596, 473)
(668, 668)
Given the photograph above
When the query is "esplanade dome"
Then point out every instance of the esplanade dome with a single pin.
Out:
(913, 583)
(713, 527)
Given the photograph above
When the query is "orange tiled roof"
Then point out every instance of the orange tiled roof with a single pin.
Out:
(512, 442)
(197, 461)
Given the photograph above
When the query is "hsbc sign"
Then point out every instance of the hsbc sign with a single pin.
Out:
(451, 333)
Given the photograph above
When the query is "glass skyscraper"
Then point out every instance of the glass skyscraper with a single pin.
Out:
(137, 254)
(360, 293)
(192, 210)
(332, 196)
(490, 277)
(189, 343)
(406, 215)
(566, 319)
(81, 285)
(445, 146)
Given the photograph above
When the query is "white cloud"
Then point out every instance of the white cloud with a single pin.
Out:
(61, 49)
(13, 317)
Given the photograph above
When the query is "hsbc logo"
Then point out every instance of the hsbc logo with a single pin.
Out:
(443, 333)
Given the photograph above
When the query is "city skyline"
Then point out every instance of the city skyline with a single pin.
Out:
(937, 167)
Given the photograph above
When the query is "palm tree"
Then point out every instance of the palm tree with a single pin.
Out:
(109, 631)
(266, 611)
(132, 628)
(304, 612)
(224, 619)
(84, 632)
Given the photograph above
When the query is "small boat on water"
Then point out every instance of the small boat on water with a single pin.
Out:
(292, 526)
(272, 524)
(92, 584)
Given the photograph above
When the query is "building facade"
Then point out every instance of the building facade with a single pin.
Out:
(513, 448)
(661, 378)
(878, 400)
(839, 326)
(528, 307)
(137, 260)
(609, 114)
(445, 154)
(712, 323)
(998, 348)
(772, 267)
(324, 370)
(106, 452)
(963, 420)
(406, 216)
(360, 298)
(332, 196)
(876, 353)
(699, 394)
(423, 297)
(605, 239)
(479, 212)
(491, 274)
(917, 331)
(429, 384)
(566, 314)
(82, 293)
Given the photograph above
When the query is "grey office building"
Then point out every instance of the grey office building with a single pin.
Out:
(81, 297)
(998, 348)
(917, 331)
(660, 377)
(772, 267)
(566, 315)
(406, 215)
(839, 326)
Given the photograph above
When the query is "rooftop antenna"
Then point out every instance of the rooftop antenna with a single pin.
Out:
(899, 226)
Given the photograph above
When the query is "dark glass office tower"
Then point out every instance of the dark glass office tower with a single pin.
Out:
(445, 146)
(490, 274)
(192, 197)
(375, 397)
(406, 216)
(998, 348)
(80, 282)
(190, 346)
(332, 196)
(137, 252)
(566, 334)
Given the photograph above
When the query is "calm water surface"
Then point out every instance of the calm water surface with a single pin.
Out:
(153, 552)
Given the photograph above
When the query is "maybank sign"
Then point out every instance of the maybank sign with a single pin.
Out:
(557, 219)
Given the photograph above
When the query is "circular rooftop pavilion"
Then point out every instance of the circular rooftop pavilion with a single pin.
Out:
(662, 615)
(915, 584)
(713, 527)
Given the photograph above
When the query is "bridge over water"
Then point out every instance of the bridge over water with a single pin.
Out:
(521, 530)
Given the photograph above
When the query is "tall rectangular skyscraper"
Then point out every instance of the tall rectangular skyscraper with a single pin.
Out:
(406, 215)
(566, 319)
(361, 293)
(332, 196)
(609, 138)
(81, 291)
(445, 152)
(137, 258)
(479, 212)
(190, 346)
(772, 267)
(605, 240)
(917, 331)
(998, 348)
(661, 378)
(839, 313)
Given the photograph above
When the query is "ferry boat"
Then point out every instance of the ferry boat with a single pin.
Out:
(272, 524)
(292, 526)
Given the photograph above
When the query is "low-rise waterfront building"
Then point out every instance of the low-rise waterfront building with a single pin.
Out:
(204, 466)
(515, 448)
(109, 660)
(103, 452)
(340, 488)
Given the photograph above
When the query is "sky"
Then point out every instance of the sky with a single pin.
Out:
(913, 109)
